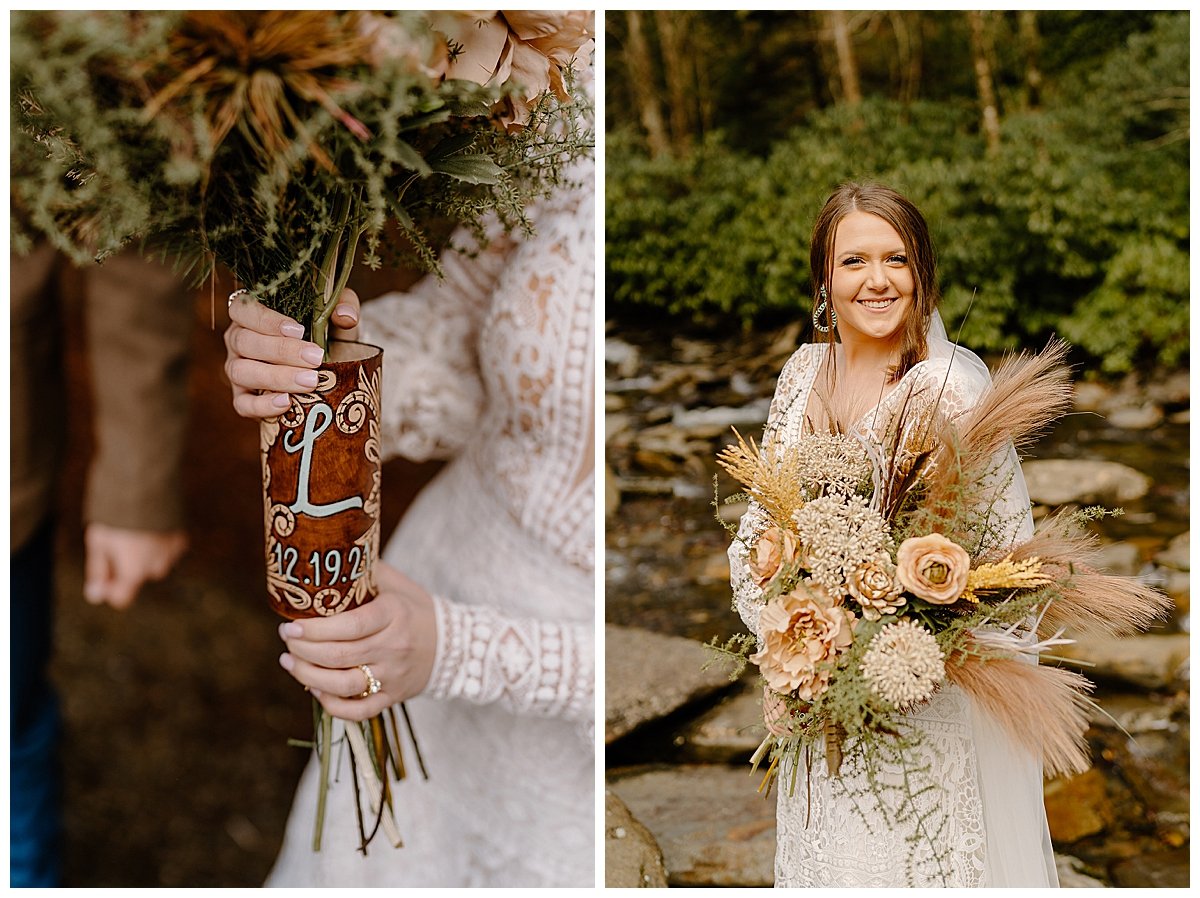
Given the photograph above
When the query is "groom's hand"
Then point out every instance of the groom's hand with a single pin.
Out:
(120, 561)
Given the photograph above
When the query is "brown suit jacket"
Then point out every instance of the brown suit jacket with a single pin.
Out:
(138, 319)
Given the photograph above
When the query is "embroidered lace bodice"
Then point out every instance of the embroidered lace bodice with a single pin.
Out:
(493, 365)
(834, 832)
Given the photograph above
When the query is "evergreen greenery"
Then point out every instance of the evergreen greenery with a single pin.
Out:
(1077, 225)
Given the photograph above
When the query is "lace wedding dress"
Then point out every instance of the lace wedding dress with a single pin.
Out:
(492, 367)
(982, 822)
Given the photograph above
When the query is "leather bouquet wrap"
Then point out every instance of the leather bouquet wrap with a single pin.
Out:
(321, 488)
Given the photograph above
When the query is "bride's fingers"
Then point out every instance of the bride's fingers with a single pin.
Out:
(355, 708)
(349, 683)
(255, 405)
(276, 349)
(248, 312)
(252, 375)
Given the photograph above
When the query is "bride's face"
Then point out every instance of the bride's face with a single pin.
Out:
(872, 284)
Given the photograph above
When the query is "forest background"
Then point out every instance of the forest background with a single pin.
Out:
(1049, 151)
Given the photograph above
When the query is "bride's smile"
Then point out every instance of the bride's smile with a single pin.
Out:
(872, 283)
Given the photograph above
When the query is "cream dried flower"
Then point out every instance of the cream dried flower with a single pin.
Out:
(840, 534)
(933, 568)
(903, 664)
(875, 587)
(803, 633)
(775, 550)
(831, 463)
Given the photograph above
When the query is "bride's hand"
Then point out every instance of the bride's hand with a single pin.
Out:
(394, 635)
(266, 357)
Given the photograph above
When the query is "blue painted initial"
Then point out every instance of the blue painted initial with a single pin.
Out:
(320, 416)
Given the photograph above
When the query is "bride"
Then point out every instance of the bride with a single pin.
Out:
(880, 338)
(483, 623)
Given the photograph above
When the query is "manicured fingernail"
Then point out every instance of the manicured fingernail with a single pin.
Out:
(286, 662)
(345, 310)
(291, 329)
(316, 693)
(312, 354)
(281, 400)
(290, 629)
(307, 378)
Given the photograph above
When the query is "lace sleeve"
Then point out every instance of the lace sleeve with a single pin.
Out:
(747, 594)
(433, 394)
(527, 665)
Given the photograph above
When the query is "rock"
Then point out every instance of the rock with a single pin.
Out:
(614, 403)
(1178, 585)
(1154, 661)
(708, 423)
(1060, 481)
(1092, 397)
(712, 568)
(729, 733)
(1136, 417)
(1073, 874)
(1165, 869)
(616, 424)
(1078, 806)
(1177, 554)
(625, 358)
(632, 859)
(1174, 389)
(1119, 558)
(612, 495)
(648, 676)
(712, 825)
(1183, 417)
(731, 512)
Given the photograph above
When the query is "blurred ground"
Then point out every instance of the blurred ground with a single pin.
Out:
(177, 714)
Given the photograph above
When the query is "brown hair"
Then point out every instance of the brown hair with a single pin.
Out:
(910, 225)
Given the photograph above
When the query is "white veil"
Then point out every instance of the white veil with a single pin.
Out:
(1010, 778)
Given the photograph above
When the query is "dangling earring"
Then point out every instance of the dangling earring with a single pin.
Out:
(819, 312)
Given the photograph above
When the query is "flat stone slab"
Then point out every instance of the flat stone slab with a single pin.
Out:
(712, 825)
(1153, 661)
(632, 859)
(730, 732)
(648, 676)
(1058, 481)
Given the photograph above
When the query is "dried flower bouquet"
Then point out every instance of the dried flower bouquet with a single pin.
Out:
(887, 574)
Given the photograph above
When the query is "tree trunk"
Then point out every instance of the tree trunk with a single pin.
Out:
(907, 28)
(673, 27)
(847, 65)
(983, 79)
(641, 77)
(1030, 44)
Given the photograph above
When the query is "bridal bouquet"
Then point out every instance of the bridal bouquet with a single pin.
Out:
(282, 144)
(887, 570)
(285, 145)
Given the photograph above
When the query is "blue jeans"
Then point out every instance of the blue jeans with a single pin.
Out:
(34, 812)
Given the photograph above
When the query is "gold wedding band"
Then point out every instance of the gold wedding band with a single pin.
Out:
(373, 685)
(234, 295)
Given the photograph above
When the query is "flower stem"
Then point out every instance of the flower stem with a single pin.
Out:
(324, 747)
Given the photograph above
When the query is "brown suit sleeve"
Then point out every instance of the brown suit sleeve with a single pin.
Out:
(138, 315)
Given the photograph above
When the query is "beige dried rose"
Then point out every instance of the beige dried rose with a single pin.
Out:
(775, 549)
(933, 568)
(803, 632)
(527, 48)
(875, 587)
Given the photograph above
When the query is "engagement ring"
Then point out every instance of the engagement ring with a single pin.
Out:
(373, 685)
